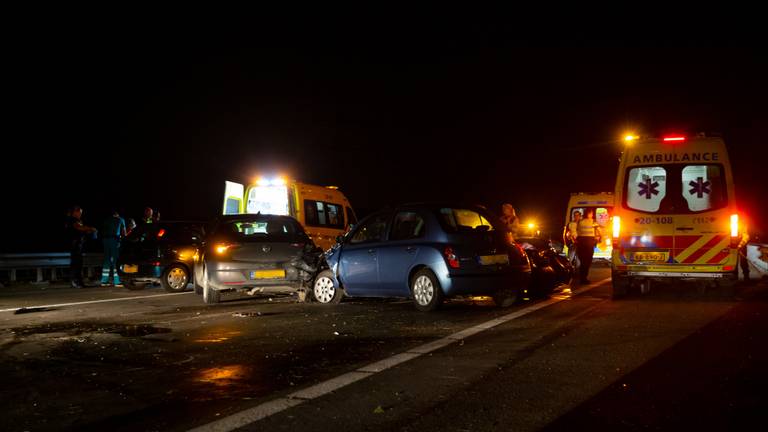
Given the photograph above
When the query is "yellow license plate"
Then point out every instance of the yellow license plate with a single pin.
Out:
(268, 274)
(650, 256)
(493, 259)
(130, 268)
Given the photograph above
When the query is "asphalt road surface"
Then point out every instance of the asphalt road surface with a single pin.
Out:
(112, 359)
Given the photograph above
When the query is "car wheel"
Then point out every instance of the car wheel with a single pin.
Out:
(210, 294)
(324, 290)
(620, 286)
(506, 297)
(426, 291)
(175, 278)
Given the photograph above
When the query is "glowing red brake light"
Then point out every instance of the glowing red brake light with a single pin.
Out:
(452, 259)
(161, 233)
(674, 138)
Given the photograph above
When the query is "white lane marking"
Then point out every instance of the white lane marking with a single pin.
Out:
(94, 301)
(330, 385)
(260, 412)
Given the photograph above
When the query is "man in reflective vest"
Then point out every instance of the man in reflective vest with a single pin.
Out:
(586, 239)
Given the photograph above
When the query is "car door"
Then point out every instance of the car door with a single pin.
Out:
(359, 265)
(398, 253)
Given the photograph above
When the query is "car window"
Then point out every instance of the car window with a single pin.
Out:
(407, 225)
(272, 230)
(372, 230)
(646, 188)
(464, 220)
(703, 187)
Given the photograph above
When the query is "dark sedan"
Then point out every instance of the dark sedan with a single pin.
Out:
(161, 252)
(425, 252)
(255, 254)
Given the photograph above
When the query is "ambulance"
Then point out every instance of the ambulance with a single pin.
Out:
(675, 213)
(601, 203)
(323, 211)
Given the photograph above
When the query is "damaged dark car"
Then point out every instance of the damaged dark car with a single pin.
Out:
(255, 253)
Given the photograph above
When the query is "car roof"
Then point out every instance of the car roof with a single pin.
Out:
(439, 205)
(252, 217)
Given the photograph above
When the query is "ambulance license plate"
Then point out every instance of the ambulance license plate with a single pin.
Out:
(493, 259)
(268, 274)
(650, 256)
(130, 268)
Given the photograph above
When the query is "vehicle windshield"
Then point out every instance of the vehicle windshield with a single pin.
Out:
(272, 230)
(458, 220)
(675, 188)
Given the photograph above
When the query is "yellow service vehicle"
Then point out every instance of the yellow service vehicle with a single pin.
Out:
(323, 211)
(601, 203)
(675, 214)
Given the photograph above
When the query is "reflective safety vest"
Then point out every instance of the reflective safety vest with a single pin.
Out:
(586, 228)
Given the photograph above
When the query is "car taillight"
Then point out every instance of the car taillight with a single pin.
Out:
(674, 138)
(616, 227)
(161, 233)
(223, 248)
(452, 259)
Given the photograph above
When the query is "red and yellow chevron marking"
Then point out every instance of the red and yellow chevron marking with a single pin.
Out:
(701, 249)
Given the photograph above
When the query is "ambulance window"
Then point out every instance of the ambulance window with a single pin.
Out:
(323, 214)
(602, 216)
(703, 187)
(233, 206)
(646, 188)
(268, 200)
(321, 219)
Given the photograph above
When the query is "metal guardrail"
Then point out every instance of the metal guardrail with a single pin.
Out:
(45, 264)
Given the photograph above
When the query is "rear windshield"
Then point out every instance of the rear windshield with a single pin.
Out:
(456, 220)
(675, 188)
(275, 230)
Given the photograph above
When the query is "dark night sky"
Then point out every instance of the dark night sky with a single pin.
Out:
(158, 114)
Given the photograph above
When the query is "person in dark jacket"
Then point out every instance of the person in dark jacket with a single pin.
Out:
(113, 231)
(76, 233)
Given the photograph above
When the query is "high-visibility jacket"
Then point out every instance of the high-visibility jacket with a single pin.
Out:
(586, 228)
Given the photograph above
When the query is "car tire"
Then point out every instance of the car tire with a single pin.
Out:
(506, 297)
(210, 294)
(324, 290)
(175, 278)
(619, 286)
(425, 291)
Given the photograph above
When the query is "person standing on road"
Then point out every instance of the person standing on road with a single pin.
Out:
(569, 238)
(743, 260)
(509, 218)
(113, 232)
(147, 218)
(130, 225)
(587, 233)
(76, 232)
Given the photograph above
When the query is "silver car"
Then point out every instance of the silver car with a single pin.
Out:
(255, 254)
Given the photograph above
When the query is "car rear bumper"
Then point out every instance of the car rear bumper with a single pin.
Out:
(484, 284)
(226, 276)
